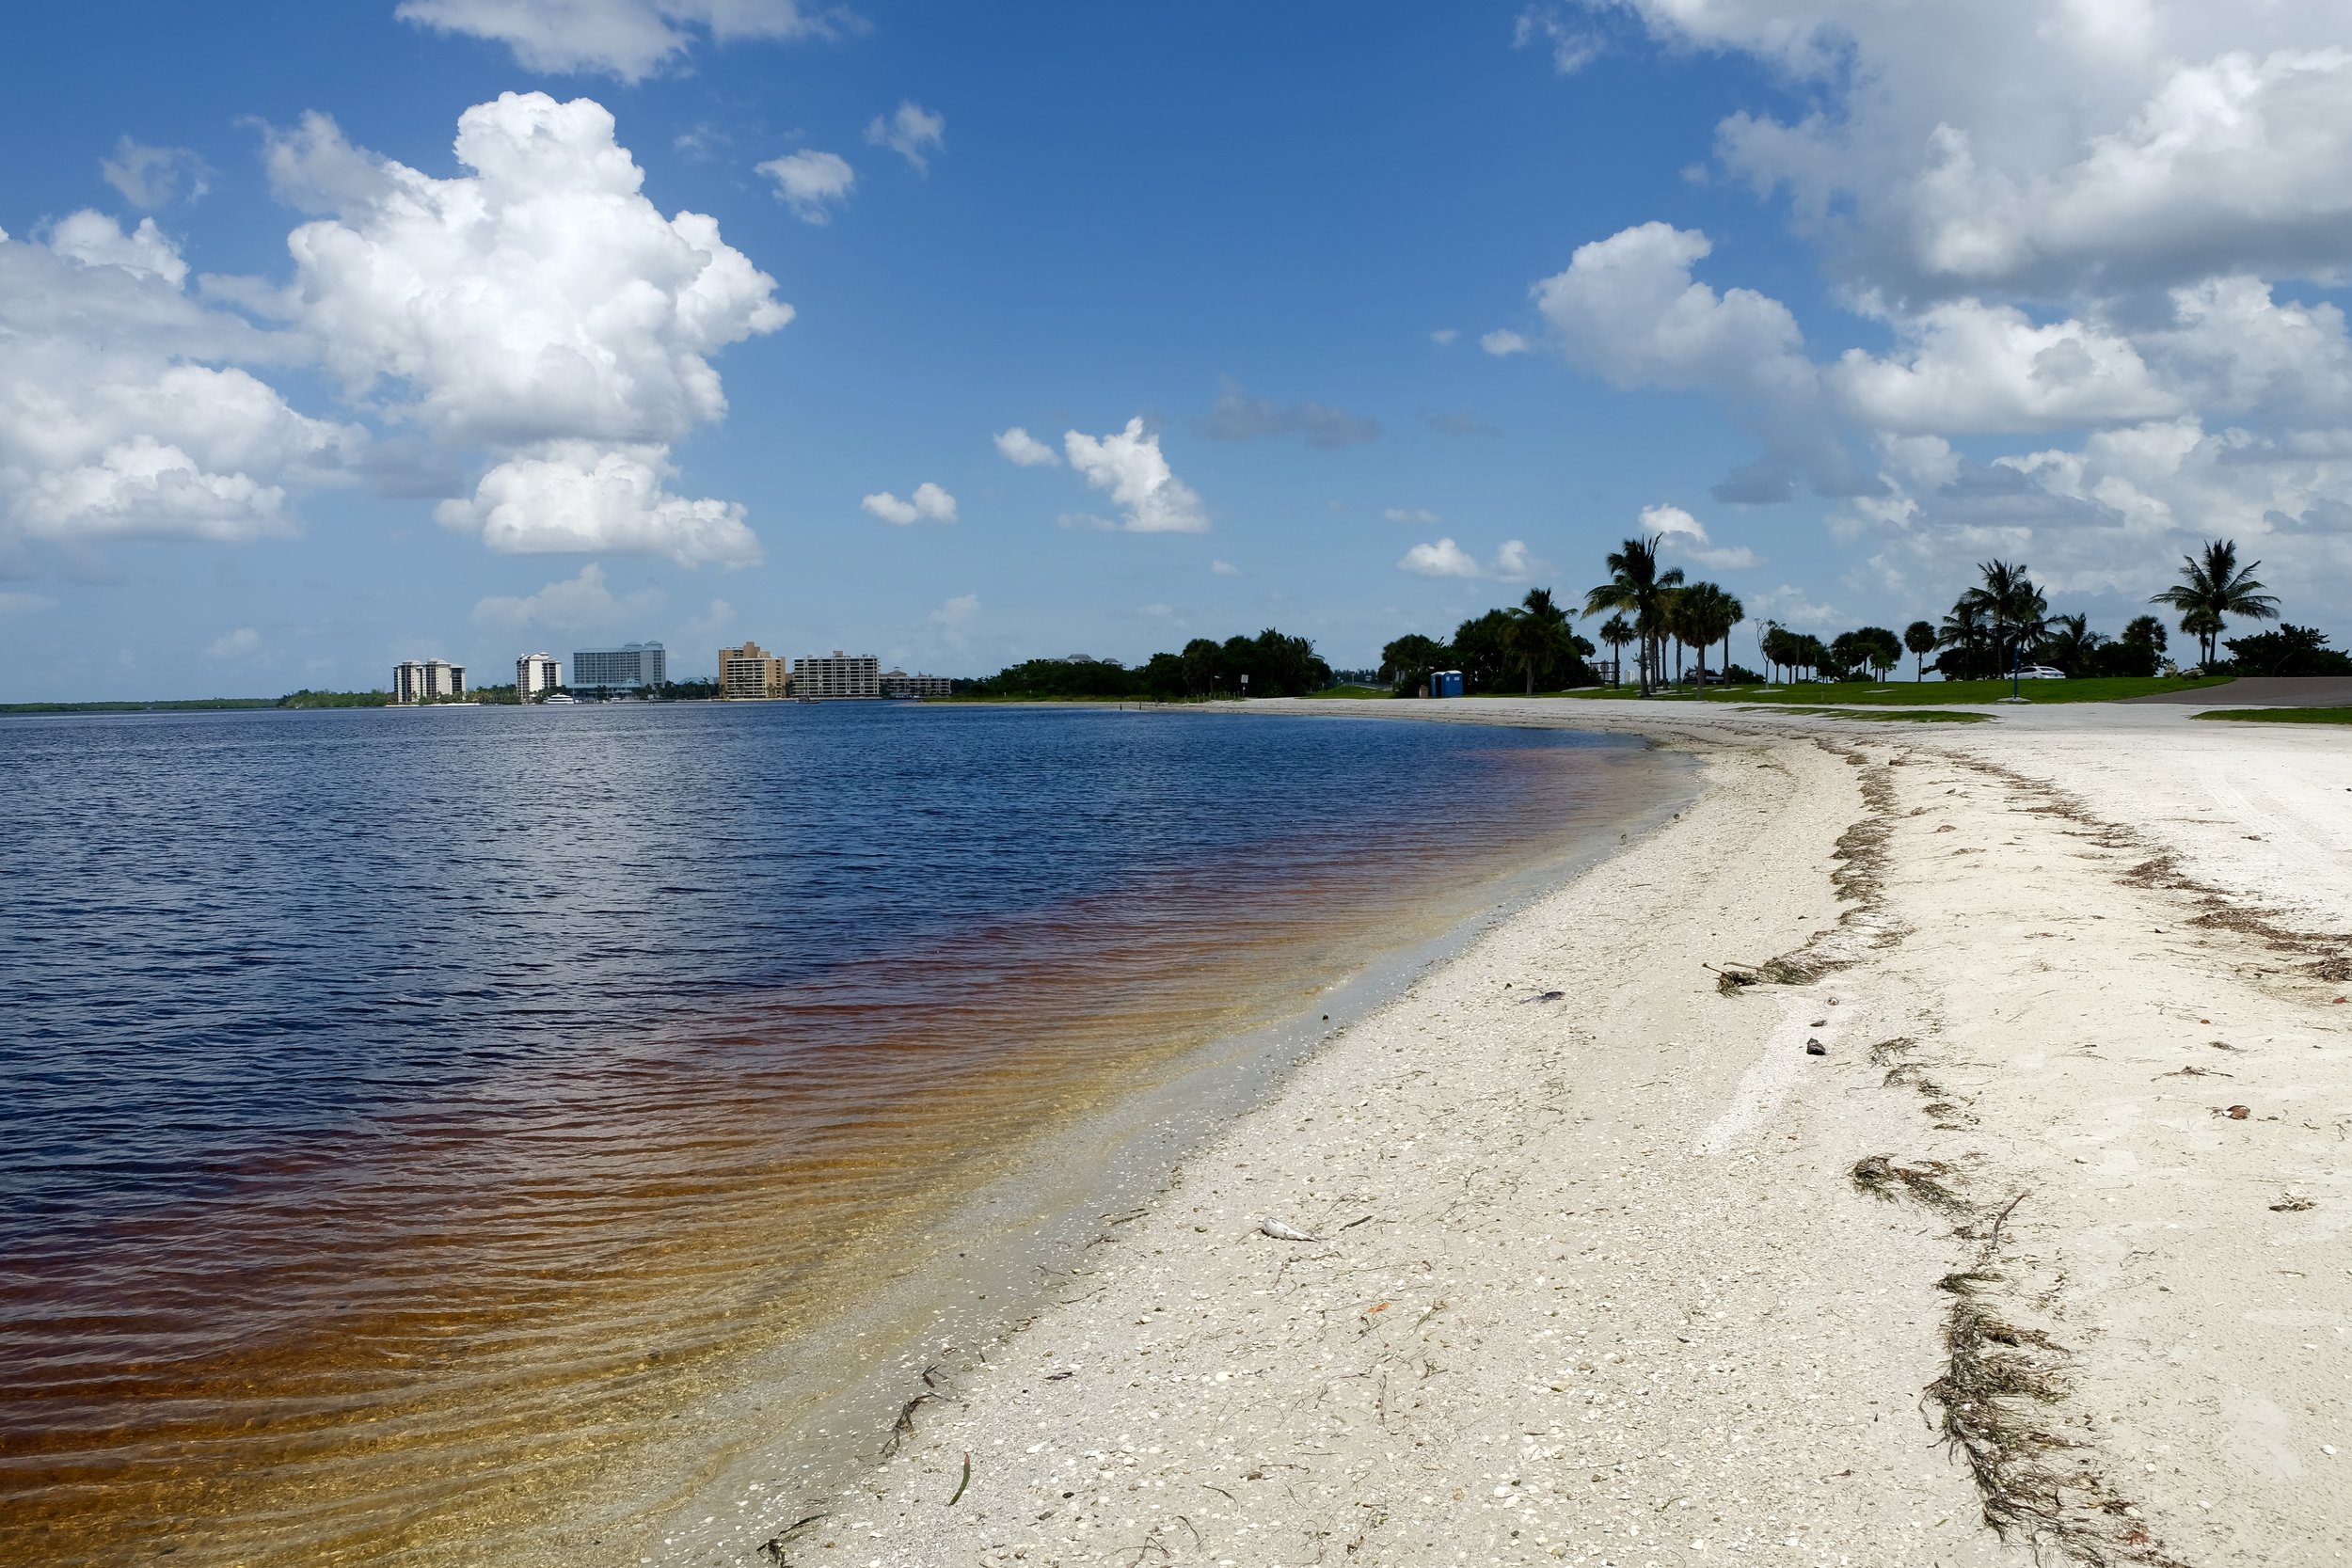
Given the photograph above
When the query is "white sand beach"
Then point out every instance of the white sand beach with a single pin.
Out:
(1609, 1265)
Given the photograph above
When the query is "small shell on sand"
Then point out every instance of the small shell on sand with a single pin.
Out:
(1281, 1232)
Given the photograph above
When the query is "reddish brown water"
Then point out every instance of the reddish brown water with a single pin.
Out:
(417, 1336)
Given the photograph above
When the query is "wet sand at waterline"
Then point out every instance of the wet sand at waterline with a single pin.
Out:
(2006, 1215)
(504, 1286)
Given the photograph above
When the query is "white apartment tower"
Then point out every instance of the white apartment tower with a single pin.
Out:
(418, 680)
(536, 672)
(843, 675)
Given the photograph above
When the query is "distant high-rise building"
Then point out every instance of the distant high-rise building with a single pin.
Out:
(750, 670)
(630, 666)
(841, 676)
(417, 680)
(897, 683)
(536, 672)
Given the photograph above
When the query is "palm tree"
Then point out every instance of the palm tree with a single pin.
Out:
(1635, 583)
(1736, 612)
(1539, 632)
(1617, 633)
(1702, 613)
(2012, 605)
(2213, 585)
(1919, 636)
(1965, 628)
(2070, 642)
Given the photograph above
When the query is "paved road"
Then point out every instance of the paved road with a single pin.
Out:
(2266, 692)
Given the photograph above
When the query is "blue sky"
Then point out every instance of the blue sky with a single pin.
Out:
(1795, 285)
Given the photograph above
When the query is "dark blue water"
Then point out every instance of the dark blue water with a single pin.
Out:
(333, 1038)
(221, 929)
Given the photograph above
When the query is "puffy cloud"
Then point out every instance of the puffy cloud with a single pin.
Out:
(576, 496)
(1128, 465)
(2013, 144)
(928, 501)
(1966, 367)
(541, 297)
(234, 645)
(1019, 446)
(627, 38)
(583, 602)
(1445, 559)
(1502, 343)
(1628, 310)
(1238, 418)
(1444, 336)
(107, 427)
(811, 183)
(1684, 535)
(539, 307)
(96, 240)
(911, 131)
(1224, 569)
(957, 613)
(155, 176)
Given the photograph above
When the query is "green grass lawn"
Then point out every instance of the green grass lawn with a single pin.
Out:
(2282, 715)
(1350, 693)
(1903, 693)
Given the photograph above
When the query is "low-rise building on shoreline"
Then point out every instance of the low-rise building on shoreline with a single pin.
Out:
(897, 683)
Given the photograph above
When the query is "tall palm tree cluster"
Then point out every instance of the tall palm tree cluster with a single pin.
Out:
(2004, 621)
(2001, 622)
(1652, 606)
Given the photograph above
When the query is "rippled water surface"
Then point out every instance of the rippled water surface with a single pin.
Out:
(396, 1105)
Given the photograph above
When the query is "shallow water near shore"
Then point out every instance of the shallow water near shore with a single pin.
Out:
(408, 1111)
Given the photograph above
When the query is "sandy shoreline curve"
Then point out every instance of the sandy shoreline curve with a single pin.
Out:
(2006, 1207)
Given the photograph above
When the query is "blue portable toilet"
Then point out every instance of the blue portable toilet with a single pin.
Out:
(1445, 683)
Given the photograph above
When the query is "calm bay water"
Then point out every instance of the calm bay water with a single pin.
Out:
(393, 1104)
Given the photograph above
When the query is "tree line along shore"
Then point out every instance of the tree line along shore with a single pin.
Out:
(1997, 629)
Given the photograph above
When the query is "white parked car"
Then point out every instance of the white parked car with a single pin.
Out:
(2038, 673)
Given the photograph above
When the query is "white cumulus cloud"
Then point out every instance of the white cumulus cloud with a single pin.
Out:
(958, 612)
(1019, 446)
(911, 131)
(577, 496)
(1502, 343)
(627, 38)
(1224, 569)
(234, 645)
(1513, 562)
(540, 297)
(582, 602)
(1684, 535)
(1128, 465)
(812, 183)
(927, 502)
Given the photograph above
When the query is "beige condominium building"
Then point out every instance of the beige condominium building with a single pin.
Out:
(750, 670)
(418, 680)
(536, 672)
(841, 676)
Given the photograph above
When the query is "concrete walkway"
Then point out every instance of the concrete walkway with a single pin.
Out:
(2266, 692)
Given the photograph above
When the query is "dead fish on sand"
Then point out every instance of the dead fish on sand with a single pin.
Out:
(1281, 1232)
(1548, 996)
